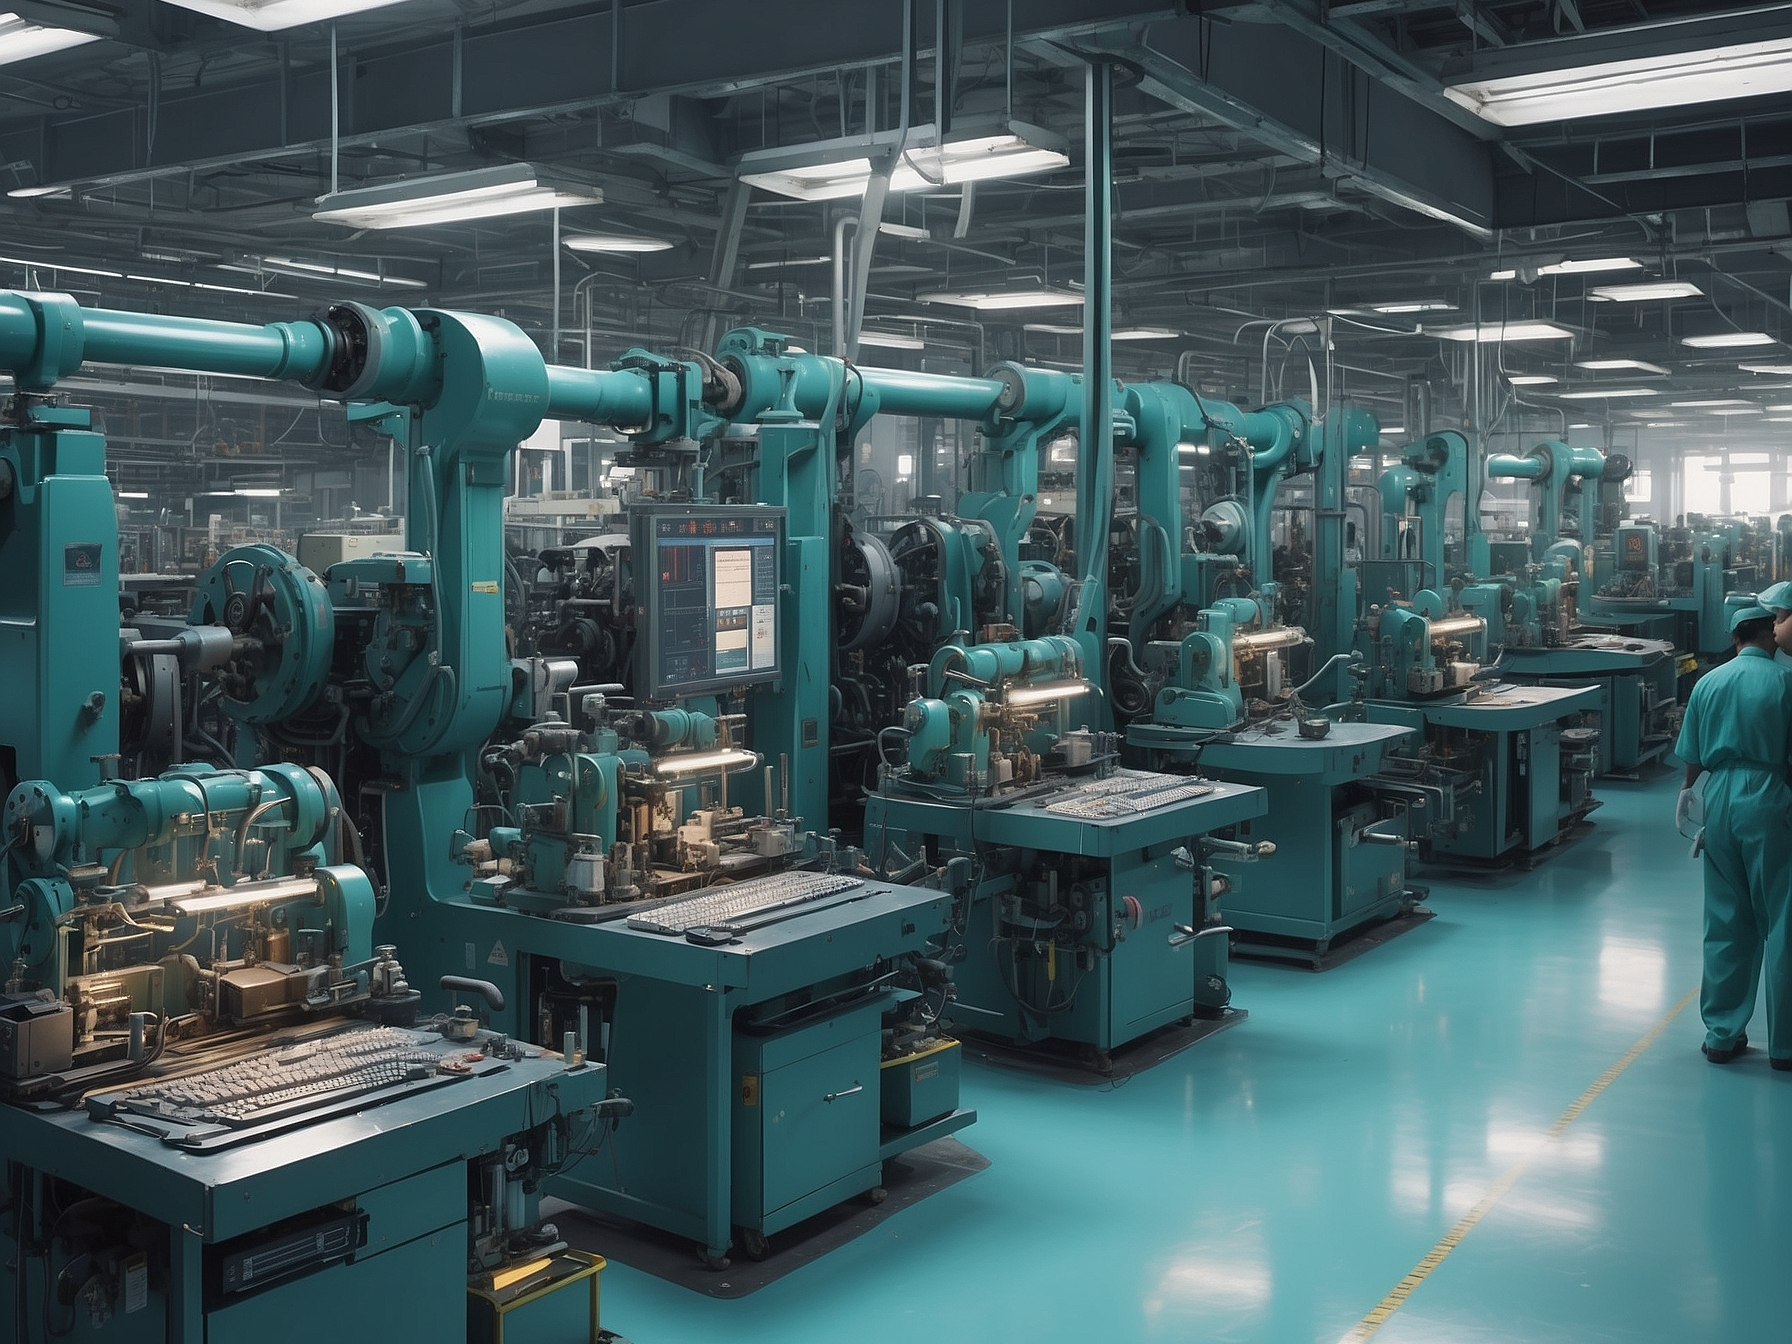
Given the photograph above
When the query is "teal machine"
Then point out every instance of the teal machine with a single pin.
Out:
(221, 1097)
(394, 670)
(1678, 583)
(1537, 632)
(1511, 764)
(1093, 916)
(1204, 667)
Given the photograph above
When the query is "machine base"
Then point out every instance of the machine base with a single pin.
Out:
(1515, 860)
(1267, 947)
(908, 1179)
(1069, 1062)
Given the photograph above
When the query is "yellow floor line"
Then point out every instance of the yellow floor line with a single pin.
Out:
(1396, 1298)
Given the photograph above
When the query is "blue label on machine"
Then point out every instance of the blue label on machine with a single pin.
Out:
(81, 565)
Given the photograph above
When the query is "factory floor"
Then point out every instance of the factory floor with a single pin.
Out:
(1278, 1181)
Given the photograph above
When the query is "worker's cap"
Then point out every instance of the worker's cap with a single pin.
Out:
(1776, 598)
(1743, 615)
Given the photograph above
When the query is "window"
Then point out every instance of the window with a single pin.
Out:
(1639, 489)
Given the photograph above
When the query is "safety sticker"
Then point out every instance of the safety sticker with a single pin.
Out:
(81, 565)
(485, 586)
(499, 956)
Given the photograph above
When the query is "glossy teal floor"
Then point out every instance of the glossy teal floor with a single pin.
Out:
(1276, 1181)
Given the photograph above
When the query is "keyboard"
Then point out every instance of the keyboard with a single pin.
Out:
(743, 905)
(1126, 793)
(302, 1077)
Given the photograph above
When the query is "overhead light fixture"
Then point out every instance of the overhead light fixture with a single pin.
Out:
(1592, 266)
(1708, 404)
(450, 198)
(891, 340)
(1728, 340)
(1583, 425)
(1665, 424)
(325, 270)
(1122, 334)
(270, 16)
(1509, 331)
(834, 169)
(1644, 293)
(44, 265)
(615, 243)
(1414, 306)
(1743, 70)
(1766, 368)
(132, 494)
(789, 261)
(258, 492)
(1735, 410)
(20, 39)
(42, 189)
(1780, 408)
(1531, 379)
(1605, 392)
(1638, 365)
(998, 299)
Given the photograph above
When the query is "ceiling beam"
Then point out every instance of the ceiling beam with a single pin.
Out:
(1320, 110)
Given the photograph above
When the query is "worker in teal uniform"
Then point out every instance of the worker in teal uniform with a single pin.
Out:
(1778, 600)
(1738, 728)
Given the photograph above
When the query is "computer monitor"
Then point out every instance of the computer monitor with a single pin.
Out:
(707, 580)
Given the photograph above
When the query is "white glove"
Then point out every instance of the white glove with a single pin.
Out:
(1683, 810)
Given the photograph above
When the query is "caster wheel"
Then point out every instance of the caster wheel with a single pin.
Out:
(714, 1262)
(876, 1195)
(753, 1245)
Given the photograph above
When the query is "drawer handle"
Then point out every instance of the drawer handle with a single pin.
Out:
(835, 1096)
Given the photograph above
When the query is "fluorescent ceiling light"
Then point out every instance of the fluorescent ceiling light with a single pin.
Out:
(995, 300)
(1643, 293)
(20, 39)
(27, 193)
(132, 494)
(1121, 334)
(1765, 368)
(1780, 408)
(258, 492)
(448, 198)
(616, 242)
(62, 266)
(1665, 424)
(1531, 379)
(1591, 267)
(307, 269)
(1735, 410)
(270, 16)
(1745, 70)
(890, 340)
(1583, 425)
(834, 169)
(1725, 340)
(1708, 404)
(1611, 364)
(1510, 331)
(1414, 306)
(1605, 392)
(793, 261)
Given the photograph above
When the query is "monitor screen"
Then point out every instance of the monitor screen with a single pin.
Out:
(706, 593)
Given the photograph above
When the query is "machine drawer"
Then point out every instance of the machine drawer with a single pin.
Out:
(812, 1118)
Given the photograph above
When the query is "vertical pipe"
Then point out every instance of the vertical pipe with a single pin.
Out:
(1095, 459)
(554, 349)
(335, 118)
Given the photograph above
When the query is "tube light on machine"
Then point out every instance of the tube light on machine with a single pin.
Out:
(1446, 626)
(245, 894)
(729, 759)
(1044, 691)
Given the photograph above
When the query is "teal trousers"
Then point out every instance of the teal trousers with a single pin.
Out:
(1748, 888)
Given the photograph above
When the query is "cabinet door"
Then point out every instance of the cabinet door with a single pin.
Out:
(810, 1141)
